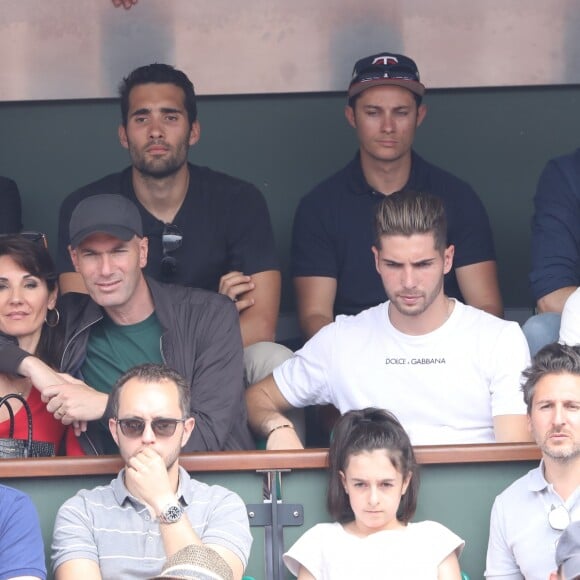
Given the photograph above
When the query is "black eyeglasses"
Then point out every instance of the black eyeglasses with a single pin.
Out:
(134, 427)
(170, 241)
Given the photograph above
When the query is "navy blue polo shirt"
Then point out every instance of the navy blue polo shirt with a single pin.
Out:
(556, 227)
(333, 231)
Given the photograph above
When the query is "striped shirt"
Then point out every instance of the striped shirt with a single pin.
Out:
(111, 527)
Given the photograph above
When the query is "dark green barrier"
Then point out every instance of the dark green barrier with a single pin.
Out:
(458, 486)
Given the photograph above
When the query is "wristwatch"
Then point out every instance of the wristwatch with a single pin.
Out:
(170, 514)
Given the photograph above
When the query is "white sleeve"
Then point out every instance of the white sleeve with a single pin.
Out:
(439, 541)
(510, 357)
(306, 552)
(500, 564)
(570, 325)
(304, 378)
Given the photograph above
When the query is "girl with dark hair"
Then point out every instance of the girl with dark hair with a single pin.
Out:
(372, 494)
(29, 318)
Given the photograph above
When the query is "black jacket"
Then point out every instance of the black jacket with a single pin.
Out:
(201, 340)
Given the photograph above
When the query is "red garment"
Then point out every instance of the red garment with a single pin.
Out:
(44, 426)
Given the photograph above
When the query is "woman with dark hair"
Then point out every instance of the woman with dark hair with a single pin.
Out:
(29, 319)
(372, 494)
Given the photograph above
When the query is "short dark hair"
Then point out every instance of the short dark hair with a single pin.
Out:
(552, 359)
(34, 258)
(370, 429)
(161, 74)
(150, 373)
(409, 212)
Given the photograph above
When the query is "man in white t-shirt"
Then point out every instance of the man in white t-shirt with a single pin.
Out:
(450, 372)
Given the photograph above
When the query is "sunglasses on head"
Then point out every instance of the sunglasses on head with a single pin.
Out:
(35, 237)
(170, 241)
(162, 427)
(390, 72)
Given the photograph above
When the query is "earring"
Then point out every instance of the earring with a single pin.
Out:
(55, 318)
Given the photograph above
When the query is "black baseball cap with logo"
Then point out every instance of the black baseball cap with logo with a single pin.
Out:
(385, 68)
(106, 213)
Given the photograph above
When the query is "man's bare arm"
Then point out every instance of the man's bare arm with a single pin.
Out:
(80, 568)
(554, 301)
(258, 323)
(511, 429)
(315, 297)
(479, 286)
(266, 406)
(304, 574)
(257, 299)
(71, 282)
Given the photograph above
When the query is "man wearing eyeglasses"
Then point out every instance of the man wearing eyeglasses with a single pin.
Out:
(153, 508)
(528, 518)
(205, 229)
(333, 270)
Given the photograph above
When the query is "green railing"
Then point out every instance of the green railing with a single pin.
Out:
(458, 485)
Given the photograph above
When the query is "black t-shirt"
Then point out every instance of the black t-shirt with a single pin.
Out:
(224, 222)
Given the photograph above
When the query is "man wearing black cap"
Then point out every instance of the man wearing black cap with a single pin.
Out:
(127, 320)
(332, 263)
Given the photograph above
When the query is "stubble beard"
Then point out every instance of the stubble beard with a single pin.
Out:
(415, 310)
(172, 458)
(420, 308)
(162, 167)
(560, 455)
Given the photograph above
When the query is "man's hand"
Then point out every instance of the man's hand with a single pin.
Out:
(74, 403)
(234, 285)
(146, 478)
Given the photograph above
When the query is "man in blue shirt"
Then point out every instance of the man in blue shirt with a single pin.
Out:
(21, 546)
(555, 272)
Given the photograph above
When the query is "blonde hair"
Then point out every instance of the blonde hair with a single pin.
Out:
(408, 212)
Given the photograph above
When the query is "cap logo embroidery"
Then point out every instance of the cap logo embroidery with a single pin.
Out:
(386, 60)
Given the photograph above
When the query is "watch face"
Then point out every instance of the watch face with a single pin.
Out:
(172, 513)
